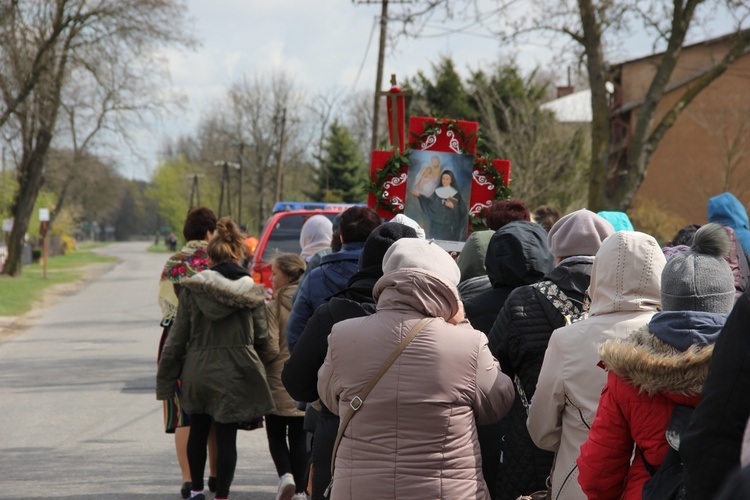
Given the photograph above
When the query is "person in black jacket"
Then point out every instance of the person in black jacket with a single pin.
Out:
(710, 446)
(519, 338)
(517, 255)
(300, 375)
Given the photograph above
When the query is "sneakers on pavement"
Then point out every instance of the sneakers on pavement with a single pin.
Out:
(286, 487)
(185, 489)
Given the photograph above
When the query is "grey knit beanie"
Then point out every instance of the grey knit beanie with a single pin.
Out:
(700, 279)
(578, 233)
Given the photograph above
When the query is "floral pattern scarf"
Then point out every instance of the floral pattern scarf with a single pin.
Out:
(190, 260)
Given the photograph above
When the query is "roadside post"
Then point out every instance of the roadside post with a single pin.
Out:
(44, 219)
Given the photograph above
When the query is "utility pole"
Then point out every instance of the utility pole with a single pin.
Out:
(241, 147)
(195, 193)
(225, 183)
(224, 188)
(379, 75)
(280, 158)
(381, 59)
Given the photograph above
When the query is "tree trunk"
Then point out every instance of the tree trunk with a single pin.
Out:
(641, 147)
(23, 205)
(592, 42)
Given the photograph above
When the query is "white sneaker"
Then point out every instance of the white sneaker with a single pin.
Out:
(286, 487)
(300, 496)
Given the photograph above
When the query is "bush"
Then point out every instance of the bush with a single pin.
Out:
(68, 244)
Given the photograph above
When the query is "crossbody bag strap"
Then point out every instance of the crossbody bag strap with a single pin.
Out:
(358, 400)
(521, 394)
(566, 307)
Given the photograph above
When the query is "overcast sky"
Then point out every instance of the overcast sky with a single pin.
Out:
(322, 44)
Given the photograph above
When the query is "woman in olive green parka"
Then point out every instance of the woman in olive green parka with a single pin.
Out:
(220, 331)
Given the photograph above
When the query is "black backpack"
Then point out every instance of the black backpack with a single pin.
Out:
(666, 482)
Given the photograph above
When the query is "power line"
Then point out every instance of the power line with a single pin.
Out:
(367, 51)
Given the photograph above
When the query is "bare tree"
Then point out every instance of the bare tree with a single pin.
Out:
(245, 127)
(725, 123)
(595, 29)
(549, 159)
(44, 44)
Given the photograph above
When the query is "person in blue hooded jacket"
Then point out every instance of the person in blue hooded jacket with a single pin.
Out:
(334, 271)
(728, 210)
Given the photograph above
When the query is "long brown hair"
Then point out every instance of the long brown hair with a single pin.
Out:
(227, 243)
(291, 265)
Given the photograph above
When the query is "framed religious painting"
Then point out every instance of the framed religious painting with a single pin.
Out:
(438, 191)
(438, 181)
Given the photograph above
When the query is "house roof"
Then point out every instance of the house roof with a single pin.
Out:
(576, 107)
(572, 108)
(710, 41)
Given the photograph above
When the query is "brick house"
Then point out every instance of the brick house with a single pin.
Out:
(707, 150)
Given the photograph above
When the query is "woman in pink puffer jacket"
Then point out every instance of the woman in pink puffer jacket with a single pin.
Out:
(415, 436)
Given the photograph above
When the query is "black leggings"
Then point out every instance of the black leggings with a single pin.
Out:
(291, 457)
(226, 459)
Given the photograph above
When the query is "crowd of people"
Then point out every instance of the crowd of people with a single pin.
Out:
(564, 356)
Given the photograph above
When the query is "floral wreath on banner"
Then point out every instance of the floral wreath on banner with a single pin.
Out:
(487, 173)
(393, 172)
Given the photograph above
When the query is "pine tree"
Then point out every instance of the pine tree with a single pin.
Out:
(342, 175)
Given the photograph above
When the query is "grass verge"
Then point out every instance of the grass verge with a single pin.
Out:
(17, 295)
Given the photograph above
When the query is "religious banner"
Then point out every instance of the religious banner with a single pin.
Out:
(438, 181)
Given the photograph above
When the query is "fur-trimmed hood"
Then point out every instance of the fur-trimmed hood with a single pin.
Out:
(218, 296)
(654, 366)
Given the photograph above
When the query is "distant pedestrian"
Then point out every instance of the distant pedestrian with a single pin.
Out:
(200, 224)
(219, 330)
(284, 426)
(172, 242)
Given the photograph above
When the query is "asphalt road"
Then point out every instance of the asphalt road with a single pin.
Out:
(78, 415)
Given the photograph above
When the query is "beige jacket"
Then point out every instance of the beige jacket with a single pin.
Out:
(624, 291)
(416, 434)
(278, 310)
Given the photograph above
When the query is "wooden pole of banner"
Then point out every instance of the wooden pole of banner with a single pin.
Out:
(399, 137)
(44, 249)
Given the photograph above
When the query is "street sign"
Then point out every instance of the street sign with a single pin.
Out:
(44, 215)
(8, 225)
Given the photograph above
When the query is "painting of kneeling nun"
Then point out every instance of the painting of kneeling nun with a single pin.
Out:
(444, 213)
